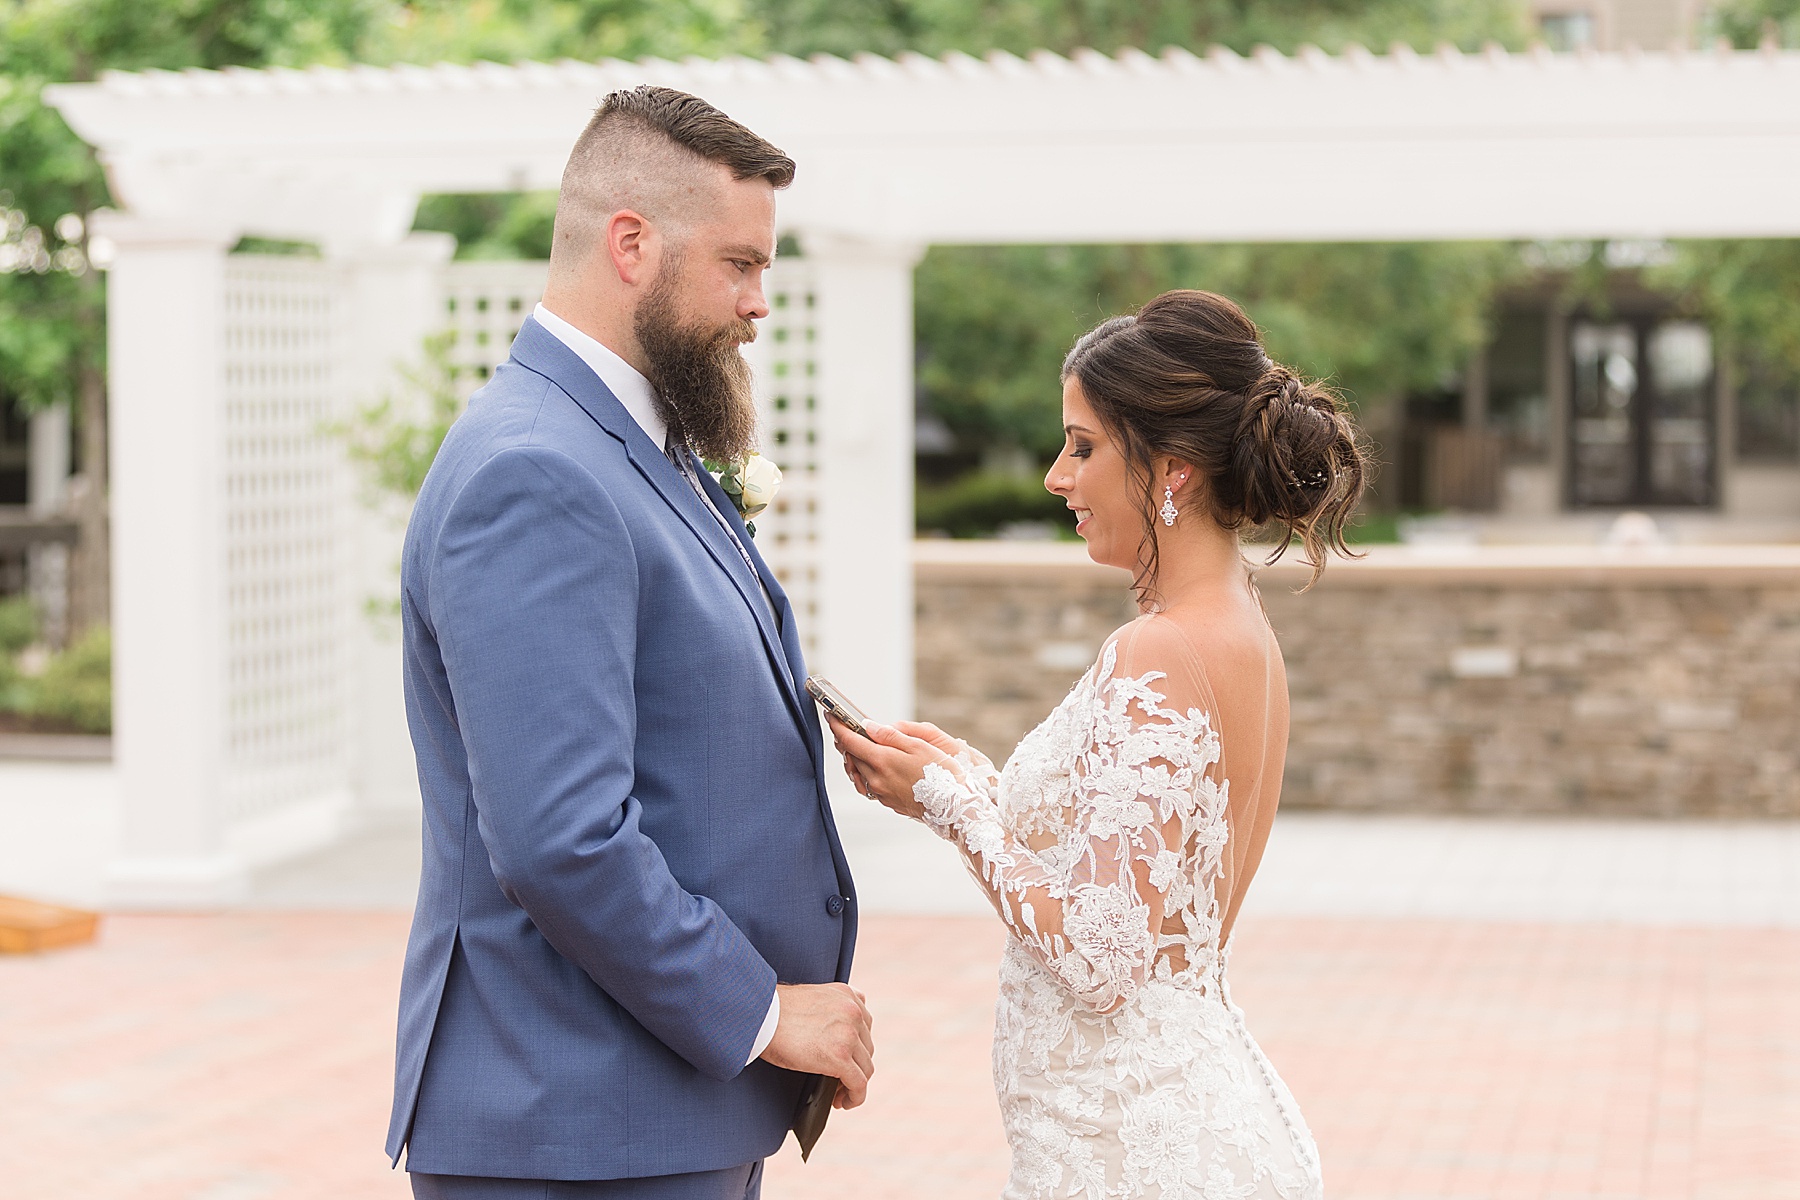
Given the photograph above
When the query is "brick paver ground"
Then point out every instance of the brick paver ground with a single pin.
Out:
(246, 1057)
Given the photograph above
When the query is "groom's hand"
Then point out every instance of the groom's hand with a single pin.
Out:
(826, 1029)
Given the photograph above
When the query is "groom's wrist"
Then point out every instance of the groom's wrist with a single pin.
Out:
(766, 1034)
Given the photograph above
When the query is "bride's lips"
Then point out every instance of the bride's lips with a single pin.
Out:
(1082, 516)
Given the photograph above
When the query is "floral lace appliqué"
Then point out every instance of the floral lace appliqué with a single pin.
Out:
(1122, 1067)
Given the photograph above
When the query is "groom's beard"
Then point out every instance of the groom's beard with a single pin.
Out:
(702, 382)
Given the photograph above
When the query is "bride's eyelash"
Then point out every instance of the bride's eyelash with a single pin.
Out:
(1078, 450)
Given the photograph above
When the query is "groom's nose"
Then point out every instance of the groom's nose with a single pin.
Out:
(753, 305)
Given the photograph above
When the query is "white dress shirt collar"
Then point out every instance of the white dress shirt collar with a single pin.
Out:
(623, 380)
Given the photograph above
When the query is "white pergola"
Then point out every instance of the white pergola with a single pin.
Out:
(239, 563)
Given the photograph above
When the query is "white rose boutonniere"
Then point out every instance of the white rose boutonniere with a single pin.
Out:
(751, 484)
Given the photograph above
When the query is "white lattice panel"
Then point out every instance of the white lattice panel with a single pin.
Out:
(286, 574)
(484, 305)
(787, 390)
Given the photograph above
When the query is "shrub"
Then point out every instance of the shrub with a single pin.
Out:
(978, 505)
(1372, 527)
(77, 685)
(18, 625)
(18, 629)
(15, 690)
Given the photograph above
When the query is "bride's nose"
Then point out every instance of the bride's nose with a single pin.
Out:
(1056, 479)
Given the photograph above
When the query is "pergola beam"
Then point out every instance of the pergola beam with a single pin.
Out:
(1090, 149)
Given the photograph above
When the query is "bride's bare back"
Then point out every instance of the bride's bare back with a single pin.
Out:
(1238, 672)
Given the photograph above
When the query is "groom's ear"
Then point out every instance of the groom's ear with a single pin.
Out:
(629, 239)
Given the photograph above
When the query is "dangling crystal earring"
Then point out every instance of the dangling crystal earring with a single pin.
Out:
(1168, 512)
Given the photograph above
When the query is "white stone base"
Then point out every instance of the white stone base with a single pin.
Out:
(222, 880)
(292, 830)
(61, 841)
(174, 883)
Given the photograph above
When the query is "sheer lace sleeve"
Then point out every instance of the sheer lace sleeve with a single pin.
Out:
(1095, 904)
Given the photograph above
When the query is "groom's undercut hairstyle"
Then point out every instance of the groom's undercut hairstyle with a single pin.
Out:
(653, 150)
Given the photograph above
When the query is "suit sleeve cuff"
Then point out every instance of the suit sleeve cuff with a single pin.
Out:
(766, 1034)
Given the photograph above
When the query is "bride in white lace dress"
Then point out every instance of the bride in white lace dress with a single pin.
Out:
(1119, 840)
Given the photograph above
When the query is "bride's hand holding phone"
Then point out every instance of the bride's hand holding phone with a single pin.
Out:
(885, 761)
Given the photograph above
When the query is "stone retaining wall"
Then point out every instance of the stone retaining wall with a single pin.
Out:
(1498, 680)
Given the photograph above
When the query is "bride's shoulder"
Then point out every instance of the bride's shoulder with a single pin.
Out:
(1191, 645)
(1153, 644)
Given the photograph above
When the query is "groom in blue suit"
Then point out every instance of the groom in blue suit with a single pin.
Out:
(635, 921)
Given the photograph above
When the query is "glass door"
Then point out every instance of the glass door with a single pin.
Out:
(1680, 414)
(1641, 429)
(1602, 459)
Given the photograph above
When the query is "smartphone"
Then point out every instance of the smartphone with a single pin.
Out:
(836, 704)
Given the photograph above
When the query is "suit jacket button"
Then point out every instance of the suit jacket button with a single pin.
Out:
(834, 905)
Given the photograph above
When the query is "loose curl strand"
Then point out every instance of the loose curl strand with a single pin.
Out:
(1188, 378)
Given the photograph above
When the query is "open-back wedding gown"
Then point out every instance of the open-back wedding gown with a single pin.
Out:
(1116, 845)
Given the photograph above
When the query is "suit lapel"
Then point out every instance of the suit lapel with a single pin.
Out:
(793, 658)
(538, 350)
(749, 584)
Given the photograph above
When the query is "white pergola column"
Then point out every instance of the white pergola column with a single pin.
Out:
(165, 291)
(864, 356)
(392, 299)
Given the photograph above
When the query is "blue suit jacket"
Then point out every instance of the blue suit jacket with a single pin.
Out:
(627, 839)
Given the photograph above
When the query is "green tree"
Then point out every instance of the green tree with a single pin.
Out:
(1749, 290)
(427, 31)
(492, 224)
(1747, 23)
(52, 330)
(394, 439)
(52, 302)
(847, 27)
(1378, 319)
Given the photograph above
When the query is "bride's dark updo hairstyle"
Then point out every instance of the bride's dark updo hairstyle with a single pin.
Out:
(1187, 378)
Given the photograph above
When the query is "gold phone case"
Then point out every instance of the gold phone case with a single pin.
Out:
(836, 703)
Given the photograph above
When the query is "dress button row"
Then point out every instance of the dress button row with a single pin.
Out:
(835, 905)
